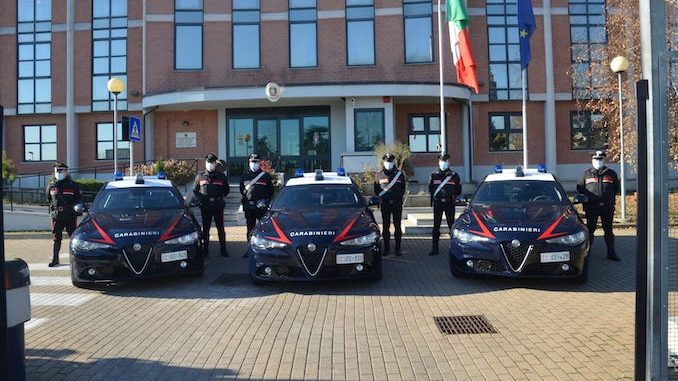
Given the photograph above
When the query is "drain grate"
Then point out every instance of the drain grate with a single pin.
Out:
(469, 324)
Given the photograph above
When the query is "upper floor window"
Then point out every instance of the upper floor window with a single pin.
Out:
(246, 22)
(303, 33)
(504, 50)
(34, 42)
(589, 60)
(418, 31)
(588, 130)
(188, 20)
(40, 143)
(109, 51)
(506, 131)
(360, 32)
(424, 133)
(369, 128)
(105, 142)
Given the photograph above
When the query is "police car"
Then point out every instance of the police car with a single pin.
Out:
(318, 227)
(520, 223)
(136, 228)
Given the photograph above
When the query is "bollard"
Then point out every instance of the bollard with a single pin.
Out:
(17, 281)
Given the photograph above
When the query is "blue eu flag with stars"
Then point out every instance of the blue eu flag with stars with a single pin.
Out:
(526, 26)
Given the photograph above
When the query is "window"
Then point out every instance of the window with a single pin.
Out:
(40, 143)
(188, 19)
(504, 50)
(109, 52)
(246, 19)
(418, 31)
(303, 33)
(506, 131)
(105, 142)
(360, 32)
(588, 130)
(589, 60)
(369, 128)
(34, 42)
(424, 133)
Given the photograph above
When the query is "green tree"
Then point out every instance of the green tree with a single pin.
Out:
(9, 171)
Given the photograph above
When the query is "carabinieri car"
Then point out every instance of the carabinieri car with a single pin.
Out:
(520, 223)
(318, 227)
(136, 228)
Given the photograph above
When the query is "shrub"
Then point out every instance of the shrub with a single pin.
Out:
(89, 188)
(9, 171)
(402, 153)
(179, 171)
(365, 181)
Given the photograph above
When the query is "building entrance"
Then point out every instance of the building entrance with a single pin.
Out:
(290, 138)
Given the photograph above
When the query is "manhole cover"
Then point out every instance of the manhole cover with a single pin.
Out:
(228, 279)
(455, 325)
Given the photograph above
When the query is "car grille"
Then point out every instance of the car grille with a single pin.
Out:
(312, 261)
(137, 260)
(515, 255)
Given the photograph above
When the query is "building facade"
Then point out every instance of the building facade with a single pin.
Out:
(351, 73)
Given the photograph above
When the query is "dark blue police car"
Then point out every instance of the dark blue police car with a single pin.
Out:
(318, 227)
(520, 224)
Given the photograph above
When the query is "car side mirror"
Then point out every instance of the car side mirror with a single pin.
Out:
(262, 204)
(580, 199)
(374, 200)
(81, 208)
(192, 202)
(461, 200)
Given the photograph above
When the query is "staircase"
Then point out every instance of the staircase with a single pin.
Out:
(419, 221)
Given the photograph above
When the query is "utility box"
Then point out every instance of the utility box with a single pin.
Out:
(17, 281)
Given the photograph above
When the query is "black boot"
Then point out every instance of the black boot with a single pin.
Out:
(224, 253)
(612, 255)
(55, 254)
(387, 249)
(398, 252)
(434, 247)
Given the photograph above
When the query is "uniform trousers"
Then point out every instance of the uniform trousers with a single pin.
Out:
(606, 214)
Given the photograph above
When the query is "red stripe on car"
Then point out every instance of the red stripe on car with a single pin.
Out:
(549, 232)
(105, 237)
(485, 231)
(281, 236)
(344, 233)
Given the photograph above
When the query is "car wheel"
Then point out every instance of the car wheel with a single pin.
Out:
(377, 270)
(584, 276)
(456, 272)
(85, 285)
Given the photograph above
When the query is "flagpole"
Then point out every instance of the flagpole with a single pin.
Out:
(443, 138)
(524, 75)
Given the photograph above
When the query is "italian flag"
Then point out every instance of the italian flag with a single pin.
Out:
(457, 21)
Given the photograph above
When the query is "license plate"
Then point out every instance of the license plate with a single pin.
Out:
(343, 259)
(558, 256)
(173, 256)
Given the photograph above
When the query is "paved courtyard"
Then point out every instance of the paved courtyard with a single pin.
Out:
(222, 327)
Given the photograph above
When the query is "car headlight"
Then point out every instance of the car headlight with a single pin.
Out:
(572, 239)
(263, 243)
(184, 239)
(81, 244)
(361, 241)
(466, 237)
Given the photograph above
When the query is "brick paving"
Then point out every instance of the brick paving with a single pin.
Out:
(222, 327)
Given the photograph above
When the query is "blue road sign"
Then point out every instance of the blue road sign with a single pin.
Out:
(134, 129)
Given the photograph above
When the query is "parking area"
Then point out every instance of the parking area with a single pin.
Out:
(223, 327)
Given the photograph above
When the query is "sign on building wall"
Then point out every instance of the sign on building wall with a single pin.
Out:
(187, 140)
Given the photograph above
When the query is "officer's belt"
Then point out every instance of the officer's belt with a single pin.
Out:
(213, 199)
(444, 200)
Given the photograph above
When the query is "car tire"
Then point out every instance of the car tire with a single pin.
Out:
(256, 281)
(83, 285)
(377, 270)
(584, 276)
(456, 272)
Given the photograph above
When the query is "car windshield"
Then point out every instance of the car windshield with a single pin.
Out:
(138, 198)
(520, 191)
(318, 196)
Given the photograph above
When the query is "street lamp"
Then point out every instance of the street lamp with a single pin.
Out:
(115, 86)
(619, 65)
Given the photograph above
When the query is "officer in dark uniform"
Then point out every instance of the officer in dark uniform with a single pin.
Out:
(63, 194)
(255, 185)
(210, 188)
(389, 185)
(600, 184)
(444, 187)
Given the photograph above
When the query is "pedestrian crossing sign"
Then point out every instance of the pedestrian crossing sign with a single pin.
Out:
(134, 129)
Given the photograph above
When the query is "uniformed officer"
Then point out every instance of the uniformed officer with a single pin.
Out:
(255, 185)
(600, 184)
(210, 188)
(444, 187)
(389, 185)
(63, 194)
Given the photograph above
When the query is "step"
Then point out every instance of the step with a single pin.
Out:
(411, 229)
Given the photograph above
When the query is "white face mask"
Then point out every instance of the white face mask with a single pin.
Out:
(254, 167)
(388, 165)
(60, 175)
(210, 166)
(597, 163)
(443, 165)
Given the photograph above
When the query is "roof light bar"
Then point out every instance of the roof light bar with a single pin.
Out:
(541, 168)
(162, 175)
(299, 172)
(117, 176)
(498, 168)
(341, 171)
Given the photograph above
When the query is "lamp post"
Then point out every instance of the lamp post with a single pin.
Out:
(115, 86)
(619, 65)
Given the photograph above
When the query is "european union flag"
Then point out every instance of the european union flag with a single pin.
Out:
(526, 26)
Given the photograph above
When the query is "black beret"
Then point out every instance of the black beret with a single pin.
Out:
(388, 157)
(210, 157)
(254, 157)
(59, 164)
(443, 157)
(599, 155)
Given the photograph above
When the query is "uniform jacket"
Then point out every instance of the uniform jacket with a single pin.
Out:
(262, 189)
(600, 186)
(395, 194)
(450, 191)
(62, 196)
(211, 188)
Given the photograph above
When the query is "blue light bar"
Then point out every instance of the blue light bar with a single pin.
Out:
(498, 168)
(299, 172)
(341, 171)
(162, 175)
(541, 168)
(117, 176)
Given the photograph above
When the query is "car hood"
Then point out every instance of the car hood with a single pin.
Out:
(531, 221)
(136, 226)
(320, 226)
